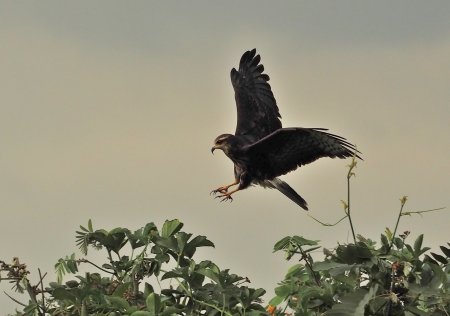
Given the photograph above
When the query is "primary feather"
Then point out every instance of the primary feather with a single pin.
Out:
(257, 110)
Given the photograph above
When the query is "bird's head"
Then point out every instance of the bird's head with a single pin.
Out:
(223, 142)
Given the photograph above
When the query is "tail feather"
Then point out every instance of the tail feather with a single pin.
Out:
(284, 188)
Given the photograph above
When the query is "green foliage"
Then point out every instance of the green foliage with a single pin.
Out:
(135, 263)
(152, 272)
(364, 279)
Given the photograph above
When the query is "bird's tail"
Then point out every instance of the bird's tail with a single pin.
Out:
(284, 188)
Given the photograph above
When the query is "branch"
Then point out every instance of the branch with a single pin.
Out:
(98, 267)
(420, 212)
(350, 173)
(18, 302)
(327, 224)
(403, 202)
(307, 259)
(41, 279)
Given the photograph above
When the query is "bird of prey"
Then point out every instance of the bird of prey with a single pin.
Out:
(260, 148)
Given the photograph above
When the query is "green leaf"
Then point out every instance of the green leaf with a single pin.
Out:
(209, 274)
(122, 289)
(173, 274)
(257, 293)
(423, 250)
(168, 243)
(118, 302)
(90, 226)
(170, 228)
(398, 242)
(31, 309)
(429, 259)
(150, 230)
(282, 244)
(63, 294)
(136, 239)
(353, 304)
(439, 258)
(410, 250)
(115, 239)
(305, 295)
(352, 253)
(388, 233)
(153, 303)
(71, 266)
(148, 289)
(283, 290)
(418, 245)
(384, 241)
(198, 241)
(72, 284)
(446, 251)
(300, 241)
(277, 300)
(82, 240)
(295, 270)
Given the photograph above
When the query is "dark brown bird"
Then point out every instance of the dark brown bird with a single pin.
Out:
(260, 148)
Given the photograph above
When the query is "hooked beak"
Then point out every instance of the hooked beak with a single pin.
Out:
(214, 148)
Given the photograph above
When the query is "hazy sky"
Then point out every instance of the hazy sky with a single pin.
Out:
(108, 110)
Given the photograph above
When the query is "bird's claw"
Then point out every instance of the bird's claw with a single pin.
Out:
(220, 190)
(224, 197)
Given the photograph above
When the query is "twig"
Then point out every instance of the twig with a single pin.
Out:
(350, 173)
(327, 224)
(11, 279)
(18, 302)
(98, 267)
(402, 201)
(420, 212)
(41, 279)
(306, 257)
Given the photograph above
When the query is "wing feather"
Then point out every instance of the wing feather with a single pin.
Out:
(257, 110)
(289, 148)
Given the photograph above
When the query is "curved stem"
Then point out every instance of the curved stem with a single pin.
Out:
(402, 201)
(349, 175)
(98, 267)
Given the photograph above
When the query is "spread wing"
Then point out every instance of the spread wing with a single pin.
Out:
(288, 148)
(257, 110)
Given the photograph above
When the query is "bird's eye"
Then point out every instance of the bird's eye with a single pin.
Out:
(219, 141)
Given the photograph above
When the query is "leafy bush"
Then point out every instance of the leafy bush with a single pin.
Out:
(165, 256)
(363, 278)
(394, 278)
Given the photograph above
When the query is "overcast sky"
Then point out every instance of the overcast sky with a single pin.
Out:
(108, 111)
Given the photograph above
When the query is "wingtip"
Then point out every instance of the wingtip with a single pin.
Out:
(301, 204)
(247, 56)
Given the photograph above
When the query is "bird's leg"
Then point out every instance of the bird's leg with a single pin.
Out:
(224, 189)
(227, 195)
